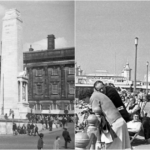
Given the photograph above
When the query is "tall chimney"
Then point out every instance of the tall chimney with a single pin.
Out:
(51, 42)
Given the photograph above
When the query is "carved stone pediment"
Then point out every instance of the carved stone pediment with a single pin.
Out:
(11, 14)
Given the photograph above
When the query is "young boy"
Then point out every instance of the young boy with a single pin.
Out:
(40, 141)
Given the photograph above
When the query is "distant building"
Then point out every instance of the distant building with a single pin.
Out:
(124, 79)
(126, 73)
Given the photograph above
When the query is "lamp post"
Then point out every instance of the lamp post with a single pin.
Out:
(147, 63)
(136, 44)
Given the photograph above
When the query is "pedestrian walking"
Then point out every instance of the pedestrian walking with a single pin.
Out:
(50, 122)
(32, 129)
(35, 130)
(66, 137)
(45, 120)
(56, 145)
(63, 122)
(40, 141)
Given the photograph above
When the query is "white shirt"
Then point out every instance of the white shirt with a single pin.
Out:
(134, 126)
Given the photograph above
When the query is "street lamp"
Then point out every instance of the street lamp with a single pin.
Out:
(147, 63)
(136, 44)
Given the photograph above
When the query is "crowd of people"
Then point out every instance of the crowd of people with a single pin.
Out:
(123, 110)
(47, 122)
(29, 129)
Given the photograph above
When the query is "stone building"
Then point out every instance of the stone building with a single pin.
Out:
(51, 78)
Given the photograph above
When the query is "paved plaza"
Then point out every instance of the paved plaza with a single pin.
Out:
(30, 142)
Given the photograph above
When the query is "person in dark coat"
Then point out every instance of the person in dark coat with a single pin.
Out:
(40, 141)
(35, 130)
(19, 129)
(32, 128)
(66, 137)
(23, 129)
(63, 122)
(28, 129)
(14, 129)
(113, 95)
(45, 120)
(50, 122)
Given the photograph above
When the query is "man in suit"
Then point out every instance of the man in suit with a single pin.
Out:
(66, 137)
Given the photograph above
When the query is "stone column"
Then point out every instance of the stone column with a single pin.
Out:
(12, 58)
(20, 91)
(40, 106)
(56, 106)
(26, 92)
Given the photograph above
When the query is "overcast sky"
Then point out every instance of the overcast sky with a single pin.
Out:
(104, 29)
(41, 18)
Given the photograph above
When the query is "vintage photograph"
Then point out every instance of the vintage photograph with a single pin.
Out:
(112, 75)
(37, 74)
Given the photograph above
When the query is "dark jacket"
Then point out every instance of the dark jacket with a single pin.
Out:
(31, 126)
(116, 99)
(14, 127)
(66, 136)
(40, 143)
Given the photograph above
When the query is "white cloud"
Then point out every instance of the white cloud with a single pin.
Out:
(2, 10)
(42, 44)
(60, 42)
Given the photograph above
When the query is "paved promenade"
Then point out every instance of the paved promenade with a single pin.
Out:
(30, 142)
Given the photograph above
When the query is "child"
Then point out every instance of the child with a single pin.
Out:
(40, 141)
(56, 143)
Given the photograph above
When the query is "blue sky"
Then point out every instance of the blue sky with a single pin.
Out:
(41, 18)
(108, 28)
